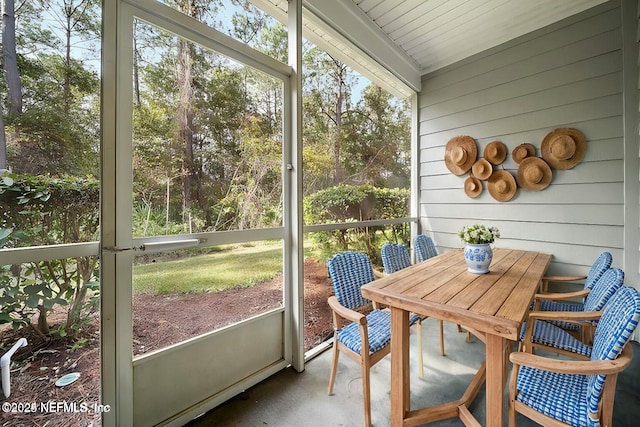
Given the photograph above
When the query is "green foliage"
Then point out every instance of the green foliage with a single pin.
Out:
(57, 130)
(376, 140)
(42, 210)
(13, 299)
(345, 203)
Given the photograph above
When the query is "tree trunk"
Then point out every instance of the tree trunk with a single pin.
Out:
(43, 324)
(184, 69)
(337, 141)
(14, 86)
(136, 58)
(185, 118)
(3, 145)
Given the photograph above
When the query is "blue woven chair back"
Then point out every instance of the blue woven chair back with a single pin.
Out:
(610, 281)
(394, 257)
(618, 322)
(424, 247)
(601, 264)
(348, 272)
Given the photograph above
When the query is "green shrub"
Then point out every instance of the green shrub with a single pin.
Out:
(39, 211)
(345, 203)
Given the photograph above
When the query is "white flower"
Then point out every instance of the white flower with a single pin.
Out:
(478, 234)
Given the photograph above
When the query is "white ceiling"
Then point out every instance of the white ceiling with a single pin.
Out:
(409, 38)
(436, 33)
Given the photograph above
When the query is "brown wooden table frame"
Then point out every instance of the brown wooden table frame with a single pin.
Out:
(492, 306)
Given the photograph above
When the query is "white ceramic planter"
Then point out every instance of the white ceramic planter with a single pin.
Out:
(478, 258)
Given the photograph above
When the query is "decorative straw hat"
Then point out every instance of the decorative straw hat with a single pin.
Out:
(482, 169)
(502, 186)
(473, 187)
(523, 151)
(563, 148)
(534, 174)
(460, 154)
(495, 152)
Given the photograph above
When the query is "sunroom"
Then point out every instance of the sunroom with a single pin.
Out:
(511, 72)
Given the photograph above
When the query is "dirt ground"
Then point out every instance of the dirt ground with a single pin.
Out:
(159, 320)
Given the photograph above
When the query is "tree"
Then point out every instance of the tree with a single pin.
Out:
(58, 128)
(377, 138)
(11, 74)
(330, 89)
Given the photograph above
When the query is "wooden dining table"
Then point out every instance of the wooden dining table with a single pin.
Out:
(492, 306)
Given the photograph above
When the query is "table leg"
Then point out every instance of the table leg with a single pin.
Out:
(400, 386)
(496, 377)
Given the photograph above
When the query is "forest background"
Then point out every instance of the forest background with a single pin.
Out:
(207, 141)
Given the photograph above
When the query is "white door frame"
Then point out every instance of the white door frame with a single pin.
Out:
(173, 385)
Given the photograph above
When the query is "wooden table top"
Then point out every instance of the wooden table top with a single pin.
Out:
(441, 287)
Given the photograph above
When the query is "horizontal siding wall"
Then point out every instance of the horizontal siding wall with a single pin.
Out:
(566, 75)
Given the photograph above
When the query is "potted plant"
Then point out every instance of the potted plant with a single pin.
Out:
(477, 252)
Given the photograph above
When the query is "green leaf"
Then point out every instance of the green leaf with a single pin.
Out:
(4, 233)
(32, 301)
(92, 285)
(51, 302)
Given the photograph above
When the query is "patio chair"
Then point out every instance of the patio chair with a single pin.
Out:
(595, 300)
(600, 265)
(554, 339)
(364, 338)
(424, 247)
(396, 257)
(577, 393)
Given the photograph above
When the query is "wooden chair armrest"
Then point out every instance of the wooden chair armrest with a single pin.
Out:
(564, 315)
(562, 295)
(605, 367)
(558, 279)
(346, 313)
(563, 278)
(378, 274)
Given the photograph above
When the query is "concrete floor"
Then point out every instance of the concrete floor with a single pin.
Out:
(300, 399)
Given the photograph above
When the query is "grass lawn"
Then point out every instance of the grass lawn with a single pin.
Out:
(240, 265)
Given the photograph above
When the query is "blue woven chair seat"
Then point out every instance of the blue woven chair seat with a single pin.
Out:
(379, 328)
(550, 335)
(560, 396)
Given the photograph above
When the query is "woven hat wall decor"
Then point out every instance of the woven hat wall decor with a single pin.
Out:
(523, 151)
(534, 174)
(495, 152)
(561, 149)
(482, 169)
(460, 154)
(472, 187)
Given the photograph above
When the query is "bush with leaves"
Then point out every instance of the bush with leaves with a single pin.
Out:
(347, 203)
(39, 211)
